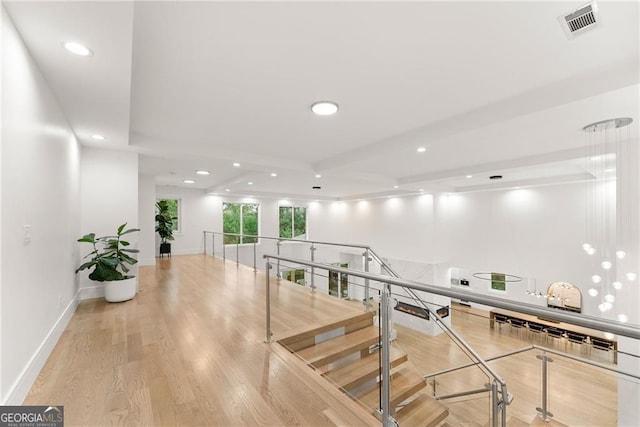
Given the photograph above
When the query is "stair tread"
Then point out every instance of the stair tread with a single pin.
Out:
(319, 328)
(404, 384)
(423, 411)
(336, 348)
(364, 369)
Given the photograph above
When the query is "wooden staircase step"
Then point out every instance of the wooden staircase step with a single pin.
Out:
(363, 370)
(302, 338)
(339, 347)
(423, 411)
(404, 384)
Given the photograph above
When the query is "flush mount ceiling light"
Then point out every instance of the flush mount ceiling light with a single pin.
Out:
(273, 174)
(469, 176)
(324, 108)
(77, 48)
(236, 164)
(189, 181)
(249, 183)
(202, 172)
(98, 137)
(318, 175)
(421, 149)
(227, 190)
(395, 186)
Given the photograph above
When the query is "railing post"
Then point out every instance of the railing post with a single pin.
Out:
(313, 273)
(278, 264)
(213, 244)
(238, 251)
(385, 401)
(495, 403)
(204, 239)
(367, 302)
(224, 248)
(268, 302)
(543, 411)
(254, 257)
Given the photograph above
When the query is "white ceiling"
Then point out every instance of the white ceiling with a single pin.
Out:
(486, 87)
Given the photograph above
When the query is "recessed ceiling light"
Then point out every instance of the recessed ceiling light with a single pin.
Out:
(249, 183)
(227, 190)
(469, 176)
(421, 190)
(274, 174)
(189, 181)
(98, 137)
(421, 149)
(237, 165)
(77, 48)
(202, 172)
(395, 186)
(324, 108)
(318, 175)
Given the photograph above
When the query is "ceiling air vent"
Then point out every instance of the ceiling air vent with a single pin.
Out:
(580, 20)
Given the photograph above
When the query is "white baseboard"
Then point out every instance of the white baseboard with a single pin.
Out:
(90, 292)
(20, 388)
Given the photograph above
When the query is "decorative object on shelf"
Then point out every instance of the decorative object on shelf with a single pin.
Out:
(110, 261)
(164, 226)
(611, 209)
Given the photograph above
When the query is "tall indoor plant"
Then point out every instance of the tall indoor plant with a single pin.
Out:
(164, 226)
(110, 261)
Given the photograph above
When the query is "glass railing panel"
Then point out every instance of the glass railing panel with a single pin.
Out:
(581, 394)
(459, 397)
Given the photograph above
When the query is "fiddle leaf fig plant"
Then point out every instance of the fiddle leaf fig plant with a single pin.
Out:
(164, 221)
(110, 257)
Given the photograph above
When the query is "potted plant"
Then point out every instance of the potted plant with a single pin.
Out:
(164, 226)
(110, 261)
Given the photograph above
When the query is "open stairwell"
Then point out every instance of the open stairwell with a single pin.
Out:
(346, 352)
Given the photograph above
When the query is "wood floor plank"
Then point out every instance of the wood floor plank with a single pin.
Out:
(195, 334)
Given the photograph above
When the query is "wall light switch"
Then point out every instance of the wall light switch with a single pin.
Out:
(27, 233)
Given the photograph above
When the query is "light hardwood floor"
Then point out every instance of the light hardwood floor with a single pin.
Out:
(189, 350)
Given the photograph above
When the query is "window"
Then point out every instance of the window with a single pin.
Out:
(240, 218)
(295, 276)
(293, 222)
(174, 211)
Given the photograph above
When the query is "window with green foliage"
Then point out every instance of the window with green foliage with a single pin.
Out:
(174, 212)
(240, 218)
(498, 281)
(293, 222)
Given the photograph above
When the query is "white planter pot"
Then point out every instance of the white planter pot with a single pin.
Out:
(120, 290)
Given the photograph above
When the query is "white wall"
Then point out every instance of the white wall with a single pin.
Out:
(39, 188)
(109, 197)
(146, 220)
(198, 212)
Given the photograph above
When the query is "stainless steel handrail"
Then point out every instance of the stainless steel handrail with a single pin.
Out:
(285, 239)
